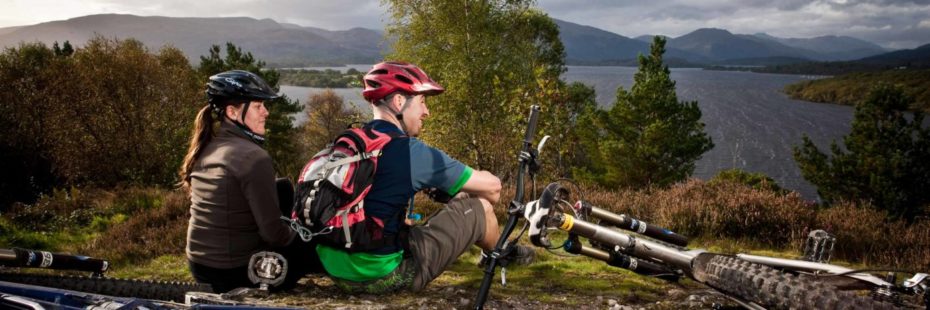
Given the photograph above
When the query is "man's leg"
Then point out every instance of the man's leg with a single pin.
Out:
(446, 235)
(491, 229)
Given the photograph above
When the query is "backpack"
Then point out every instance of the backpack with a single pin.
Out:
(331, 192)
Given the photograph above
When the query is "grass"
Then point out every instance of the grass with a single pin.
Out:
(141, 231)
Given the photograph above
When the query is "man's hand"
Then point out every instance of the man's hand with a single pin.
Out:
(438, 195)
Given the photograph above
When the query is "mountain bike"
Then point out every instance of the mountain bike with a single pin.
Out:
(752, 281)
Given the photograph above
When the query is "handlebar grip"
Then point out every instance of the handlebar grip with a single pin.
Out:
(531, 127)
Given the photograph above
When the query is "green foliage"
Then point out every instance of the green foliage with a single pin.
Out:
(280, 131)
(26, 75)
(495, 59)
(328, 78)
(848, 89)
(110, 113)
(885, 160)
(758, 180)
(327, 116)
(648, 138)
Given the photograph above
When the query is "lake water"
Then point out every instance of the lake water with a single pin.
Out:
(752, 123)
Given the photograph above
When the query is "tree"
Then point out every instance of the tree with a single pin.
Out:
(495, 58)
(648, 137)
(120, 113)
(886, 160)
(112, 113)
(327, 116)
(66, 49)
(281, 133)
(24, 83)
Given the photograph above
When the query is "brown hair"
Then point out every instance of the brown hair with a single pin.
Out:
(200, 136)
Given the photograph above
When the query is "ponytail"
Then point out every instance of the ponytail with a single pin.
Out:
(200, 136)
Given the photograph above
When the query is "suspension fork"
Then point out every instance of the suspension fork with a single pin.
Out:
(625, 243)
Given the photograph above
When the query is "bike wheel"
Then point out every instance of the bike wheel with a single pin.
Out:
(774, 289)
(157, 290)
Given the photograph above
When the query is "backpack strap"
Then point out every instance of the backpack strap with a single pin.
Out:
(352, 159)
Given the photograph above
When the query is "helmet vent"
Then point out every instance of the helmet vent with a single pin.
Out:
(413, 74)
(403, 79)
(372, 84)
(379, 71)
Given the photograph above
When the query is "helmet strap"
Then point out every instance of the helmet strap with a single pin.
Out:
(240, 123)
(399, 115)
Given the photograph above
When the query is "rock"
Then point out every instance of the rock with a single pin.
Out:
(611, 302)
(464, 302)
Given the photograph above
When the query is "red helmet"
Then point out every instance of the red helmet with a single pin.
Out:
(388, 77)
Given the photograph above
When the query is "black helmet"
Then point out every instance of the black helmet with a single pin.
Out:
(237, 86)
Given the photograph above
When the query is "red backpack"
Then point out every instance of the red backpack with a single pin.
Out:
(331, 192)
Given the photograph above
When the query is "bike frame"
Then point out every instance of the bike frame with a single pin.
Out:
(515, 210)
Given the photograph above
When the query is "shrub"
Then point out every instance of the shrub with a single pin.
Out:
(758, 181)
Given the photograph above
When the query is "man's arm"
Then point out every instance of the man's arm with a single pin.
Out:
(484, 185)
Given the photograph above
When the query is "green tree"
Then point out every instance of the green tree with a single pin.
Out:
(327, 116)
(121, 114)
(886, 160)
(66, 49)
(24, 83)
(281, 133)
(648, 137)
(495, 58)
(113, 113)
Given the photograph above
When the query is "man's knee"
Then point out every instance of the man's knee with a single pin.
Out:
(488, 207)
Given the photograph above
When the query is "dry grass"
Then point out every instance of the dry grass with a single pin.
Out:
(138, 224)
(767, 219)
(147, 233)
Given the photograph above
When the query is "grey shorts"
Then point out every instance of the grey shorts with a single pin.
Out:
(434, 246)
(437, 244)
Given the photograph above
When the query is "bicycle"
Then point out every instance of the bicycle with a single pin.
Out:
(752, 281)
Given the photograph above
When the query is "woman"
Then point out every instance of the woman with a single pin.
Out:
(234, 203)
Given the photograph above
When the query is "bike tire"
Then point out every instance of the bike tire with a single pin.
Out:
(774, 289)
(158, 290)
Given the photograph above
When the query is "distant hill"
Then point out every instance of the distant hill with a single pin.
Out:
(585, 45)
(277, 44)
(721, 46)
(831, 48)
(648, 38)
(918, 57)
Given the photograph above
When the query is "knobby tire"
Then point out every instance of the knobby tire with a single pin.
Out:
(147, 289)
(776, 289)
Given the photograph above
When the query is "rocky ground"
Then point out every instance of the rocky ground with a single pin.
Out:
(319, 293)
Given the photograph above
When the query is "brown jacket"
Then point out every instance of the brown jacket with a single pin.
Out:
(234, 202)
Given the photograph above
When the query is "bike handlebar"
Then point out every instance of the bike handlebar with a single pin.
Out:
(17, 257)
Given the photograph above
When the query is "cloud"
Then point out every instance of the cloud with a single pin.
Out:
(892, 23)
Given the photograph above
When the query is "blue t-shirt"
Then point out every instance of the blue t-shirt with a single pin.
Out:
(407, 166)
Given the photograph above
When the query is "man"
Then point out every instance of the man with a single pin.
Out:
(397, 92)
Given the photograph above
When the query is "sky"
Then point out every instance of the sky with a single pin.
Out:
(890, 23)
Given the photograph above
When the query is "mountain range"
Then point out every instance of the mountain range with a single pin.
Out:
(278, 44)
(290, 45)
